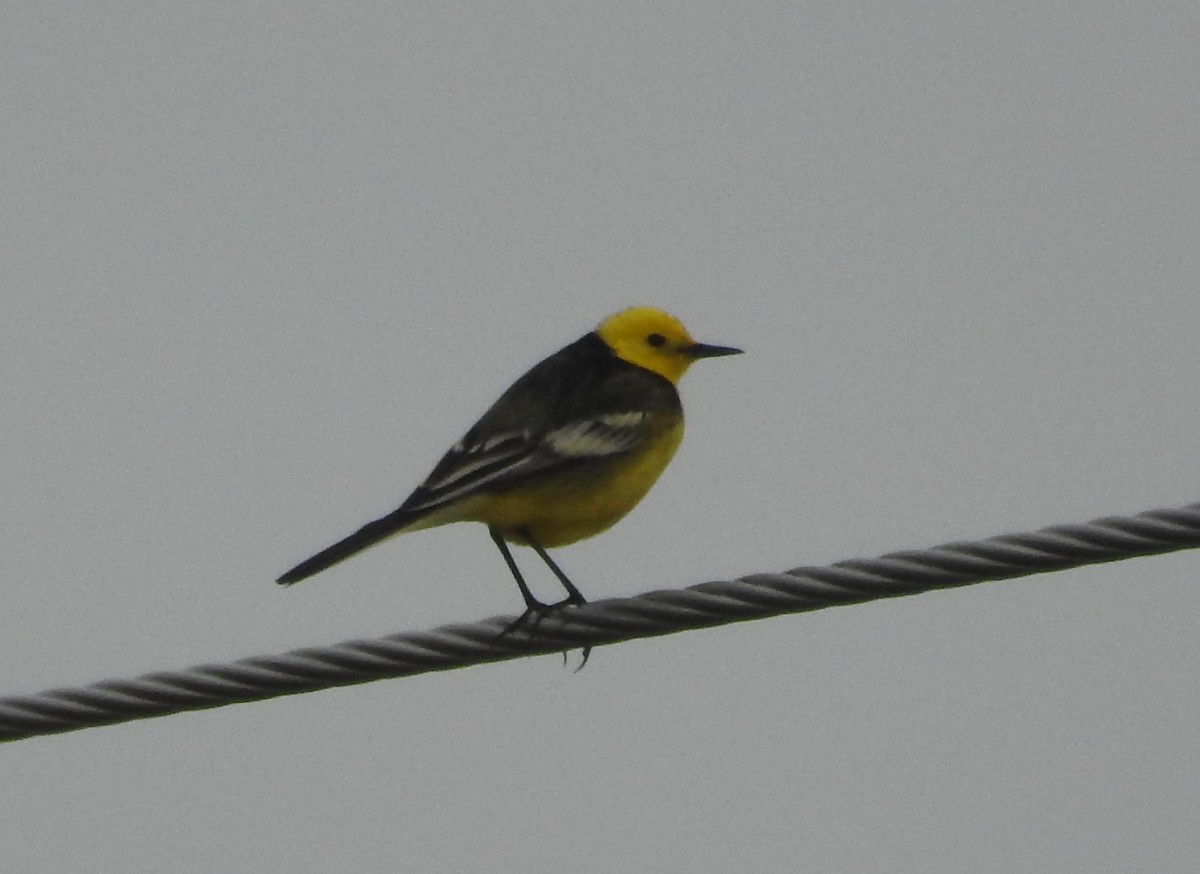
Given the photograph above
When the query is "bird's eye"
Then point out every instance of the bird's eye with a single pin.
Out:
(656, 340)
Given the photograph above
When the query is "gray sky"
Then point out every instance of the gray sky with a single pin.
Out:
(262, 264)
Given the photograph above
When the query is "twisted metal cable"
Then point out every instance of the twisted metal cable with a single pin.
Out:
(601, 622)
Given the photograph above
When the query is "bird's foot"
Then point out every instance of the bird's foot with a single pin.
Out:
(535, 612)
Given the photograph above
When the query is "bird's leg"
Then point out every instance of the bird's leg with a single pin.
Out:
(534, 608)
(574, 596)
(531, 602)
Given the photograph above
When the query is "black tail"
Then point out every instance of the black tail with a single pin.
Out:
(368, 535)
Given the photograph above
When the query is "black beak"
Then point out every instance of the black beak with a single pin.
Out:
(704, 350)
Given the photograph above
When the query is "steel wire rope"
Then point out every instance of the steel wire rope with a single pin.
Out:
(597, 623)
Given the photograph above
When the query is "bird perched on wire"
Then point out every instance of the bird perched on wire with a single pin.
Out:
(566, 451)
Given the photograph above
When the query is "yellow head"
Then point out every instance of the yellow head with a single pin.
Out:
(656, 341)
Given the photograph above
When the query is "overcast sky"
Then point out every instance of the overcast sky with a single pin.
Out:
(263, 263)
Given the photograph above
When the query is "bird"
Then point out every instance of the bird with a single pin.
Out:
(564, 453)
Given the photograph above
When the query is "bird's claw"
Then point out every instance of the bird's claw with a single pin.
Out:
(535, 612)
